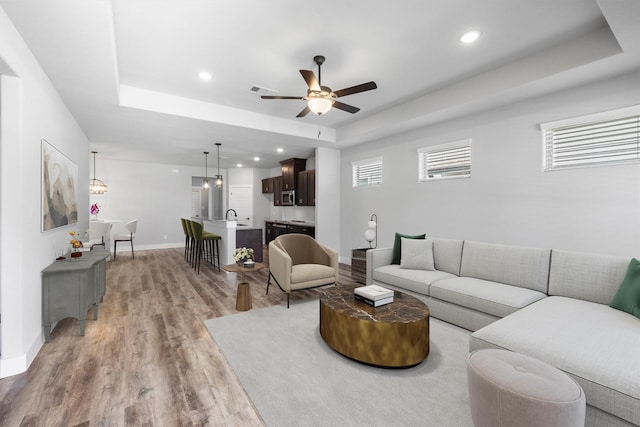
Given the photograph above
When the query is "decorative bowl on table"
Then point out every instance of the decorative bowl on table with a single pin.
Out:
(249, 264)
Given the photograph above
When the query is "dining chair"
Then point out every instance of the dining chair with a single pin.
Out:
(132, 226)
(100, 233)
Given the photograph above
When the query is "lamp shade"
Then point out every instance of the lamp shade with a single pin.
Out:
(97, 187)
(372, 224)
(369, 235)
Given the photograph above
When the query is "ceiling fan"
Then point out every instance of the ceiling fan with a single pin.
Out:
(320, 98)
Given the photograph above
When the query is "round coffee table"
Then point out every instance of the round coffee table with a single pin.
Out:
(392, 335)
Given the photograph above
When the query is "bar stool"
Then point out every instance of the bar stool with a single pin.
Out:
(206, 244)
(187, 239)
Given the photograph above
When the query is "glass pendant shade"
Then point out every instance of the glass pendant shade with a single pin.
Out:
(218, 176)
(96, 186)
(319, 105)
(205, 181)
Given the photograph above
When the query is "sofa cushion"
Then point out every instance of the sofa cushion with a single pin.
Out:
(412, 280)
(511, 265)
(397, 246)
(628, 296)
(447, 255)
(481, 295)
(598, 345)
(417, 254)
(588, 277)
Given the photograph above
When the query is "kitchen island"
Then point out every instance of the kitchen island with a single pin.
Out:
(228, 229)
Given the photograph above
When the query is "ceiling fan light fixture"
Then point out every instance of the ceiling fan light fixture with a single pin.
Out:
(319, 105)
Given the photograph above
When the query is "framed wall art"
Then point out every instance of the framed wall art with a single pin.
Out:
(59, 188)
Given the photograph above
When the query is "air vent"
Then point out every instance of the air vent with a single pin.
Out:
(259, 90)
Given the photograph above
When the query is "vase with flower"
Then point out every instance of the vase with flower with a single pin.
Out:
(95, 210)
(76, 244)
(244, 257)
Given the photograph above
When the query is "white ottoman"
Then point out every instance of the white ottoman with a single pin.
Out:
(511, 389)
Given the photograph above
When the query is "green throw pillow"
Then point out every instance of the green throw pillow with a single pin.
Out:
(397, 246)
(628, 296)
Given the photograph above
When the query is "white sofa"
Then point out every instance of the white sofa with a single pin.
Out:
(549, 304)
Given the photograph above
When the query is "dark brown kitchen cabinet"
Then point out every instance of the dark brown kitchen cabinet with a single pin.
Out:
(277, 191)
(274, 229)
(250, 238)
(267, 185)
(306, 191)
(290, 169)
(302, 229)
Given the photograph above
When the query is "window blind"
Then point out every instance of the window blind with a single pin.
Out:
(604, 142)
(367, 172)
(445, 161)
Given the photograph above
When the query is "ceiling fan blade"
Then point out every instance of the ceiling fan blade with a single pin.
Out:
(311, 80)
(303, 112)
(345, 107)
(280, 97)
(356, 89)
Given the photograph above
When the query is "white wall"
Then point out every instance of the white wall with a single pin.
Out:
(328, 206)
(31, 110)
(509, 199)
(151, 193)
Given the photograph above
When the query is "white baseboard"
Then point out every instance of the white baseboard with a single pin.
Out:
(127, 247)
(13, 366)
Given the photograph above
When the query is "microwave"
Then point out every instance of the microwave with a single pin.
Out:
(288, 198)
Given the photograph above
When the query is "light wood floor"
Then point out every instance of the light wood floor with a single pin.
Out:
(148, 360)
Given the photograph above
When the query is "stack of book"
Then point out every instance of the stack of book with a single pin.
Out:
(373, 295)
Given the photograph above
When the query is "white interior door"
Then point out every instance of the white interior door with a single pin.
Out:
(195, 202)
(241, 200)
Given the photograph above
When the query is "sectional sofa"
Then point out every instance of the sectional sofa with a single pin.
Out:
(549, 304)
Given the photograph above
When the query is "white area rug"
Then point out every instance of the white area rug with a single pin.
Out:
(295, 379)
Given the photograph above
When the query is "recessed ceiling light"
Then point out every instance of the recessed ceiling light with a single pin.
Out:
(470, 36)
(279, 150)
(257, 159)
(239, 165)
(203, 75)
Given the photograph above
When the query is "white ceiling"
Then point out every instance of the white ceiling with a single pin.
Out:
(126, 69)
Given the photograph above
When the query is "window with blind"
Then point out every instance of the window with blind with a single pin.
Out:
(367, 172)
(599, 139)
(445, 161)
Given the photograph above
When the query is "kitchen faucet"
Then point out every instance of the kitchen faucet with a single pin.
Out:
(226, 215)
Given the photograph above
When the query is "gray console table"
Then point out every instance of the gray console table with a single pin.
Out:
(71, 287)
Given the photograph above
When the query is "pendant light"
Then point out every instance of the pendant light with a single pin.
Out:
(218, 177)
(95, 185)
(205, 181)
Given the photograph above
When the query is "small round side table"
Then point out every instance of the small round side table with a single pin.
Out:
(243, 297)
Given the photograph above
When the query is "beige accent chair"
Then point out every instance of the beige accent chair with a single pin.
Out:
(297, 261)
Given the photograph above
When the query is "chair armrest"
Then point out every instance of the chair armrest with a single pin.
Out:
(333, 259)
(377, 258)
(280, 266)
